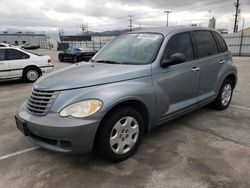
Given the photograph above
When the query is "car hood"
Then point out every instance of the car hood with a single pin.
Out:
(87, 74)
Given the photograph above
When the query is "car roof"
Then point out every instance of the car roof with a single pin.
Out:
(166, 30)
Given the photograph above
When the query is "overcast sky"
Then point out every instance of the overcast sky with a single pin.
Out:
(52, 15)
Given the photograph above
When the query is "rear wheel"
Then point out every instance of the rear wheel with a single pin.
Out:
(120, 134)
(31, 74)
(225, 95)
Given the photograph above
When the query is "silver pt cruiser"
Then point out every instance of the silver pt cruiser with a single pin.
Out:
(137, 81)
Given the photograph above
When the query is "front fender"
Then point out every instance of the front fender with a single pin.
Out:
(140, 89)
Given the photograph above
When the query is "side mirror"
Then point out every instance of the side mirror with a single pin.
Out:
(175, 58)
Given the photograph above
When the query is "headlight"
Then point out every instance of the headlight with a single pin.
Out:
(81, 109)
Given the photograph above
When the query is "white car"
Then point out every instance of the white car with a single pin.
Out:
(18, 63)
(5, 45)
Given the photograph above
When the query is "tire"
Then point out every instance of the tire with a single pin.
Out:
(60, 57)
(31, 74)
(224, 97)
(120, 134)
(75, 60)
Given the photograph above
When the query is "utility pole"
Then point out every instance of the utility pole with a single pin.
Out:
(167, 12)
(83, 27)
(237, 11)
(130, 22)
(61, 32)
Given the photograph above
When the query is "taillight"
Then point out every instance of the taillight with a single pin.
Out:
(50, 62)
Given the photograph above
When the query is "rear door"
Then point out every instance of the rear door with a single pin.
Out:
(176, 85)
(17, 61)
(4, 65)
(209, 61)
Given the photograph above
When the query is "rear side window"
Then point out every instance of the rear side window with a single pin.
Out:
(221, 41)
(1, 45)
(205, 43)
(180, 43)
(13, 54)
(2, 54)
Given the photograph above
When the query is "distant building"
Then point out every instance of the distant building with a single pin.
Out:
(20, 38)
(212, 23)
(246, 30)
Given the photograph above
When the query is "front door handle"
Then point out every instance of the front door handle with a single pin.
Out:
(222, 61)
(195, 69)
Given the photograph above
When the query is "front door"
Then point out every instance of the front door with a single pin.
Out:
(177, 85)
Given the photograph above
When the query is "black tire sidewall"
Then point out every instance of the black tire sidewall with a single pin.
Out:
(60, 57)
(103, 144)
(26, 77)
(218, 102)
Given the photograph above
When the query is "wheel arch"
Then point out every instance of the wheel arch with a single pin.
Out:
(30, 67)
(232, 77)
(134, 103)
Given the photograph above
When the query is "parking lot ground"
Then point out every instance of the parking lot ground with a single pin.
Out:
(205, 148)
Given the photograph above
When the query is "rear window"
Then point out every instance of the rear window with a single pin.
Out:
(221, 41)
(205, 43)
(13, 54)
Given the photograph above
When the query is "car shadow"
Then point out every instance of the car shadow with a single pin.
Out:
(11, 82)
(85, 161)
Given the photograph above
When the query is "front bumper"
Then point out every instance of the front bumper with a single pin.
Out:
(59, 134)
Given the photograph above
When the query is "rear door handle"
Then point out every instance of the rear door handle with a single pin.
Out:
(195, 69)
(222, 61)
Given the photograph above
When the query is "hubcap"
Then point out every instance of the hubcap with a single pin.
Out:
(124, 135)
(32, 75)
(226, 94)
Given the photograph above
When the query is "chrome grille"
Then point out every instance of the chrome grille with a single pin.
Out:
(40, 101)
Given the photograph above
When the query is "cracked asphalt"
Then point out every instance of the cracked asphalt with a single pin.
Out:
(205, 148)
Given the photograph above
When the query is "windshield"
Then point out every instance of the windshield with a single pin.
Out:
(138, 48)
(71, 50)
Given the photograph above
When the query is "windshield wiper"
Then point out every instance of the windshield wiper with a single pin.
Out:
(108, 61)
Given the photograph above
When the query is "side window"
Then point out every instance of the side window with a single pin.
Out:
(205, 43)
(2, 54)
(179, 43)
(1, 45)
(15, 54)
(222, 43)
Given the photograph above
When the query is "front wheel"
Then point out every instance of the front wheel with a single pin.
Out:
(225, 95)
(120, 134)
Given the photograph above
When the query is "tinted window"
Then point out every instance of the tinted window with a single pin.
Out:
(222, 43)
(180, 43)
(2, 54)
(1, 45)
(205, 43)
(15, 54)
